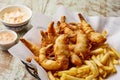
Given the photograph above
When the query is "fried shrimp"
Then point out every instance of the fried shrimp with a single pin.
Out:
(48, 64)
(34, 49)
(93, 36)
(61, 51)
(75, 59)
(73, 51)
(49, 36)
(61, 55)
(79, 48)
(81, 45)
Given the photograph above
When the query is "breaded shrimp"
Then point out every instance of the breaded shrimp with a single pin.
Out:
(33, 48)
(49, 36)
(47, 63)
(61, 55)
(81, 45)
(61, 50)
(51, 30)
(93, 36)
(80, 48)
(75, 59)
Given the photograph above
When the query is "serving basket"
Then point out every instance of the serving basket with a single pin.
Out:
(99, 23)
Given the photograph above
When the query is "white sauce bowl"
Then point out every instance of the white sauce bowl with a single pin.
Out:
(8, 38)
(10, 9)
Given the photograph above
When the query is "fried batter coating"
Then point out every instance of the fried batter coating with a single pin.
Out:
(61, 50)
(81, 46)
(48, 64)
(33, 48)
(61, 55)
(49, 36)
(93, 36)
(75, 59)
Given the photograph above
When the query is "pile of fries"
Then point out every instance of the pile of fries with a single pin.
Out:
(74, 51)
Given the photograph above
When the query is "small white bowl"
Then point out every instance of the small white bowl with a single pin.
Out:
(8, 38)
(10, 10)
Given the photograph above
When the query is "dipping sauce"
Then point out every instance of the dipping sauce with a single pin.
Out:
(14, 16)
(7, 37)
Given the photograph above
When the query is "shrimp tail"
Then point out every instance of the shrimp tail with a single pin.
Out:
(75, 59)
(34, 49)
(93, 36)
(51, 29)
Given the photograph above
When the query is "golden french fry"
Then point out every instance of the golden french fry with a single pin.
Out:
(113, 67)
(105, 58)
(97, 51)
(101, 56)
(107, 68)
(104, 33)
(105, 45)
(97, 61)
(100, 78)
(93, 68)
(68, 77)
(90, 77)
(83, 71)
(51, 77)
(115, 52)
(101, 71)
(115, 62)
(72, 72)
(105, 74)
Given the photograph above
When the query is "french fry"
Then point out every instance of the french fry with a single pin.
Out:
(115, 52)
(83, 71)
(113, 67)
(101, 71)
(115, 62)
(51, 77)
(72, 72)
(68, 77)
(105, 58)
(97, 61)
(90, 77)
(100, 78)
(105, 74)
(97, 51)
(104, 33)
(93, 68)
(107, 68)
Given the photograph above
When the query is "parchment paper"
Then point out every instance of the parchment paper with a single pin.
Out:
(40, 21)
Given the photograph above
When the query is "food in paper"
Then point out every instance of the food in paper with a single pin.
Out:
(74, 51)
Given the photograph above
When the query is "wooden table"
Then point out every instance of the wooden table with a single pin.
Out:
(11, 68)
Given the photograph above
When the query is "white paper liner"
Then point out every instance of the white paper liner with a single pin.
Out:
(40, 21)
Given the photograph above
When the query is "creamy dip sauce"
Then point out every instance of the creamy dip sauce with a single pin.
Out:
(6, 37)
(15, 16)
